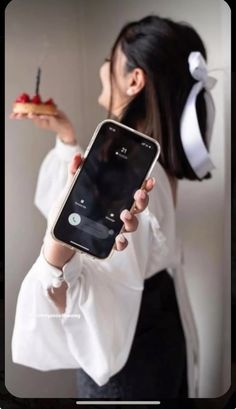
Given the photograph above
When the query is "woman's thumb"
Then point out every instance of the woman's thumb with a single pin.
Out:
(73, 166)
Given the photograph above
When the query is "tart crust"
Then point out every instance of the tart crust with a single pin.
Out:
(31, 108)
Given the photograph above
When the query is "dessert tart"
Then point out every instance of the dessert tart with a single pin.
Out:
(26, 105)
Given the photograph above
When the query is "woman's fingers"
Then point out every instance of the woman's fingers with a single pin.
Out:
(141, 200)
(150, 183)
(76, 161)
(141, 196)
(121, 242)
(42, 121)
(130, 221)
(13, 115)
(73, 166)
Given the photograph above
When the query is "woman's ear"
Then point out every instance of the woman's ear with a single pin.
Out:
(137, 82)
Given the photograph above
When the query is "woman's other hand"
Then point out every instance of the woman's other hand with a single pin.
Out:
(59, 123)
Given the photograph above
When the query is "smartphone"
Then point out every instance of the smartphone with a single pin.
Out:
(116, 163)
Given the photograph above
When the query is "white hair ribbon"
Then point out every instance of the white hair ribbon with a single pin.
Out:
(190, 133)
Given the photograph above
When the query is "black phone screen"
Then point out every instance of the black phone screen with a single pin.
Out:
(114, 169)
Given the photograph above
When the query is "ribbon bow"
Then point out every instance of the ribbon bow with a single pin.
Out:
(191, 137)
(198, 70)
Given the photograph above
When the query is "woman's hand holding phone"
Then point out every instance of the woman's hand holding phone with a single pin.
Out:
(57, 254)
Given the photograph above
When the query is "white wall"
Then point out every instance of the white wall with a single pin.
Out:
(28, 26)
(80, 34)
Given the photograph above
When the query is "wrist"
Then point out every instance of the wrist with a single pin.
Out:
(68, 138)
(56, 254)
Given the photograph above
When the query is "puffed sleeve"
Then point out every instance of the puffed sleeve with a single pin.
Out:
(39, 340)
(97, 328)
(53, 175)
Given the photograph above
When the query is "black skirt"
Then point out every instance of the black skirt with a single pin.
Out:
(157, 365)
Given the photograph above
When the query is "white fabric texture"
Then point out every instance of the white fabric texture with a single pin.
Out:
(103, 296)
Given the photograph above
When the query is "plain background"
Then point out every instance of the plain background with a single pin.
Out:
(70, 41)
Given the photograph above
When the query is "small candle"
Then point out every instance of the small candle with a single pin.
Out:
(38, 81)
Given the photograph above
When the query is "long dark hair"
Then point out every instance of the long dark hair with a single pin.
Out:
(161, 48)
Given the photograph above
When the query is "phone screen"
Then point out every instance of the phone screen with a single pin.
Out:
(115, 167)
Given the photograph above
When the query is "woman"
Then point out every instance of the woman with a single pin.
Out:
(120, 322)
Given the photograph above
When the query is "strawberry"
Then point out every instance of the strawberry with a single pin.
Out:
(49, 102)
(23, 98)
(36, 99)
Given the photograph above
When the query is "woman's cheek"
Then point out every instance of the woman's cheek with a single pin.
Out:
(104, 98)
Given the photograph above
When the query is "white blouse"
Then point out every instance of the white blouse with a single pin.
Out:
(103, 298)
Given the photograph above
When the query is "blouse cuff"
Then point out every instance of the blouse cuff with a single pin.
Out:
(65, 151)
(72, 270)
(51, 276)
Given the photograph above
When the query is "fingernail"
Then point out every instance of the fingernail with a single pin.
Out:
(153, 180)
(127, 215)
